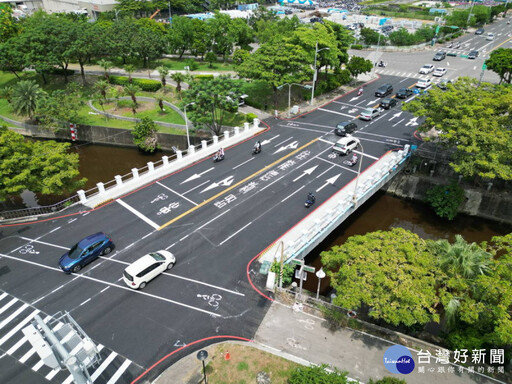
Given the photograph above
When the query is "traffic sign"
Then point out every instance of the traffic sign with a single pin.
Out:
(484, 67)
(307, 268)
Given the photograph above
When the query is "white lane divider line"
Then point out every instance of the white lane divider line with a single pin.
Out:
(327, 170)
(55, 229)
(176, 193)
(119, 372)
(337, 113)
(246, 161)
(326, 141)
(43, 242)
(287, 197)
(237, 232)
(284, 141)
(197, 186)
(137, 213)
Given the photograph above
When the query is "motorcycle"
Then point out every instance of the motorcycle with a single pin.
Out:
(382, 64)
(256, 150)
(350, 162)
(457, 46)
(218, 158)
(310, 200)
(360, 92)
(450, 45)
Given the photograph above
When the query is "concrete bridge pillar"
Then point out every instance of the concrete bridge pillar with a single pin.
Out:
(135, 173)
(81, 195)
(101, 188)
(204, 144)
(151, 167)
(119, 180)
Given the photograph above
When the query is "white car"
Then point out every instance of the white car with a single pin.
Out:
(345, 145)
(423, 83)
(426, 69)
(490, 36)
(439, 72)
(145, 269)
(370, 113)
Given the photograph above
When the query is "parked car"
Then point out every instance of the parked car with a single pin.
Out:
(388, 102)
(441, 55)
(443, 84)
(439, 72)
(473, 55)
(370, 113)
(145, 269)
(403, 93)
(479, 31)
(423, 83)
(490, 36)
(344, 128)
(85, 251)
(384, 90)
(426, 69)
(345, 145)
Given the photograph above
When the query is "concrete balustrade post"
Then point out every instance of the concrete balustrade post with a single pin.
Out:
(101, 188)
(165, 160)
(204, 144)
(246, 127)
(151, 167)
(81, 195)
(226, 135)
(119, 180)
(256, 123)
(215, 139)
(135, 173)
(179, 155)
(191, 150)
(237, 131)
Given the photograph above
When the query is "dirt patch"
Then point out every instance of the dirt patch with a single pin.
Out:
(244, 364)
(125, 111)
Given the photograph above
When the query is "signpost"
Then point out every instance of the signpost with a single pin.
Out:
(303, 269)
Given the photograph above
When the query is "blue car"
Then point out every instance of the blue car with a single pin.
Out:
(85, 251)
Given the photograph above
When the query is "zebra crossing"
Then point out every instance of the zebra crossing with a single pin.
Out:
(412, 75)
(16, 315)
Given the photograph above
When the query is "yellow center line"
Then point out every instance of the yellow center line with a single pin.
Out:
(499, 45)
(237, 184)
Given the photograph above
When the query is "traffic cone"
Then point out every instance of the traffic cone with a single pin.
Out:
(227, 356)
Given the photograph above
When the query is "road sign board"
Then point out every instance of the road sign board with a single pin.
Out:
(484, 67)
(307, 268)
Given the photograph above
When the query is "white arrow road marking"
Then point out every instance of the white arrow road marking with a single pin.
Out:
(355, 98)
(335, 112)
(412, 122)
(293, 145)
(352, 110)
(308, 171)
(267, 141)
(329, 181)
(225, 182)
(197, 175)
(373, 102)
(395, 115)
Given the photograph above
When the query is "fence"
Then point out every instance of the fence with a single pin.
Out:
(140, 176)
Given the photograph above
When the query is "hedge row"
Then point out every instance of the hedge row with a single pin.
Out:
(144, 84)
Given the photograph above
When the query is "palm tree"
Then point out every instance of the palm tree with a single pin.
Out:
(178, 77)
(131, 90)
(163, 73)
(25, 95)
(129, 69)
(106, 65)
(466, 260)
(159, 97)
(102, 86)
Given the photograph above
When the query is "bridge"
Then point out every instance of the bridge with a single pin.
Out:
(220, 220)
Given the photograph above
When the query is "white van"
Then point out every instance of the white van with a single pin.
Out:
(490, 36)
(145, 269)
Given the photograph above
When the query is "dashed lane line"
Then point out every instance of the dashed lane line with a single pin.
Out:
(138, 214)
(337, 113)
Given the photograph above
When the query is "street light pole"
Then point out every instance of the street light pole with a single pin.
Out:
(289, 94)
(469, 15)
(354, 197)
(315, 71)
(320, 274)
(186, 123)
(202, 355)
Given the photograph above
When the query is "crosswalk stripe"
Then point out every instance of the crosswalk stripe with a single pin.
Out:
(27, 355)
(13, 315)
(38, 366)
(52, 374)
(18, 327)
(22, 341)
(103, 366)
(3, 295)
(119, 372)
(8, 305)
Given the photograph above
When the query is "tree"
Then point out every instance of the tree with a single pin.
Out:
(8, 25)
(58, 109)
(475, 121)
(358, 65)
(213, 97)
(129, 69)
(218, 30)
(210, 58)
(40, 166)
(371, 37)
(163, 71)
(102, 86)
(131, 90)
(84, 44)
(12, 57)
(25, 96)
(402, 37)
(159, 97)
(144, 135)
(446, 199)
(106, 65)
(317, 375)
(389, 272)
(500, 62)
(178, 78)
(240, 55)
(148, 42)
(183, 32)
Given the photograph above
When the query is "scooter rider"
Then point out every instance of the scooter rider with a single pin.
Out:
(360, 91)
(220, 153)
(311, 197)
(354, 159)
(258, 146)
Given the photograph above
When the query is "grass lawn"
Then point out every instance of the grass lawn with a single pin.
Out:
(175, 64)
(244, 365)
(6, 110)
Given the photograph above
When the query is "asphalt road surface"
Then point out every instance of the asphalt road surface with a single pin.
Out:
(214, 217)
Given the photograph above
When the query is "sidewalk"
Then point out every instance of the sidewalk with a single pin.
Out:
(306, 339)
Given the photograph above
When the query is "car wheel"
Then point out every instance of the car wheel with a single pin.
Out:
(142, 285)
(170, 265)
(106, 251)
(77, 268)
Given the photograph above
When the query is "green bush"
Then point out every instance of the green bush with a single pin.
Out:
(288, 271)
(445, 200)
(118, 80)
(335, 318)
(144, 84)
(317, 375)
(356, 46)
(203, 77)
(250, 117)
(388, 380)
(192, 64)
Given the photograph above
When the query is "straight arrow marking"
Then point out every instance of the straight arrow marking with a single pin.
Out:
(331, 181)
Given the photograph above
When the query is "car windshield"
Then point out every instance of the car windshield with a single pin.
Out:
(157, 256)
(340, 145)
(75, 252)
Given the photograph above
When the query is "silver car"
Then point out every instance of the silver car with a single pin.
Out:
(370, 113)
